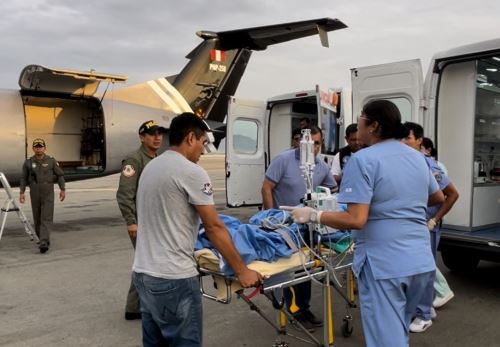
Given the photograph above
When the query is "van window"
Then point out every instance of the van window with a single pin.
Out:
(245, 136)
(404, 106)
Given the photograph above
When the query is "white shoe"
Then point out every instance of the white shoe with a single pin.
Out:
(433, 313)
(419, 325)
(440, 301)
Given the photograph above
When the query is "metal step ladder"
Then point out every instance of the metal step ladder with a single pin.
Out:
(11, 205)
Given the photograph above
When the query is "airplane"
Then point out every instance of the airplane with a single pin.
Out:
(89, 133)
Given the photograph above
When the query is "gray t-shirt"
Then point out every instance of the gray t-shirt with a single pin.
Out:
(169, 187)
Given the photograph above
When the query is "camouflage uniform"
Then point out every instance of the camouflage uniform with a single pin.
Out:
(132, 167)
(40, 176)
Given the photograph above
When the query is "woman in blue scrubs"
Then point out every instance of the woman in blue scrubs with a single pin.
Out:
(387, 188)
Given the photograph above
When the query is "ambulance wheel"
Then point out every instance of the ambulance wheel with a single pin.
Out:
(347, 327)
(459, 261)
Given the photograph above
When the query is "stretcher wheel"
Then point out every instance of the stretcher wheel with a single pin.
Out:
(347, 327)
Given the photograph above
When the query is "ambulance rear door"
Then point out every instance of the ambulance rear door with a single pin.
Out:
(245, 155)
(400, 82)
(329, 119)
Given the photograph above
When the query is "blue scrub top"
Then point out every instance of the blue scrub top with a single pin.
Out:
(286, 174)
(443, 180)
(396, 182)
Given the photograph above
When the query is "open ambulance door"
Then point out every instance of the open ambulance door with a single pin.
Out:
(245, 155)
(329, 120)
(400, 82)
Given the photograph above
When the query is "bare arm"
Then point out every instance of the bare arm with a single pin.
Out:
(220, 238)
(354, 218)
(267, 193)
(337, 179)
(435, 198)
(451, 196)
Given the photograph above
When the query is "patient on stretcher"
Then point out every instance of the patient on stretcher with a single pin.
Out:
(270, 238)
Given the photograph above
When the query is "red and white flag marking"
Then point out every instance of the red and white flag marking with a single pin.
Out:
(217, 55)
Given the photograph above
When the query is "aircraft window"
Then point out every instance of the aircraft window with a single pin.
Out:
(245, 135)
(404, 106)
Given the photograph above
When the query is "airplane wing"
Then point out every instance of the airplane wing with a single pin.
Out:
(260, 37)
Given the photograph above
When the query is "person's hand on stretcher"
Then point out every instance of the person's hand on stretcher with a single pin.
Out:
(217, 234)
(249, 278)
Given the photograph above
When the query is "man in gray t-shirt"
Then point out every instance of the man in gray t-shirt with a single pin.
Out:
(174, 193)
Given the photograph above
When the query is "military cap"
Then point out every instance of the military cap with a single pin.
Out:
(150, 127)
(38, 143)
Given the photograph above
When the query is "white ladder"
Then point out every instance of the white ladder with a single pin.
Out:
(10, 205)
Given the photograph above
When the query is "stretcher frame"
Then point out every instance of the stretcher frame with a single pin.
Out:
(313, 269)
(349, 292)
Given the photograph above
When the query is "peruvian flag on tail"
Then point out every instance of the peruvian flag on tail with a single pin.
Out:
(217, 55)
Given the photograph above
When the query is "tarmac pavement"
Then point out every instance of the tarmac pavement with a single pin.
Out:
(74, 295)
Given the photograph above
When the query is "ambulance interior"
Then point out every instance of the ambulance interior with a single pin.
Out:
(468, 139)
(285, 115)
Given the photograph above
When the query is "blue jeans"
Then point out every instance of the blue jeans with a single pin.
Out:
(171, 311)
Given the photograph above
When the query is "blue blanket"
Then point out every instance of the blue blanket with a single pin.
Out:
(250, 240)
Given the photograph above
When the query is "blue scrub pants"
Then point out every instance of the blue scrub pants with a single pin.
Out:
(171, 311)
(424, 307)
(387, 306)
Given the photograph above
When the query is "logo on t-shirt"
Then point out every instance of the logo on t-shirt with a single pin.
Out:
(207, 189)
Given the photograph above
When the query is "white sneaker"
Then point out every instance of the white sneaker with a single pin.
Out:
(419, 325)
(440, 301)
(433, 313)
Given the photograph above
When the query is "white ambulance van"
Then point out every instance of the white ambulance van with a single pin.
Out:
(459, 107)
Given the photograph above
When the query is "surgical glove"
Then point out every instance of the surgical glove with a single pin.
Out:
(431, 224)
(302, 215)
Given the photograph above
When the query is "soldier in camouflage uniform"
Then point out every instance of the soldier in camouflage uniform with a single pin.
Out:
(151, 136)
(39, 173)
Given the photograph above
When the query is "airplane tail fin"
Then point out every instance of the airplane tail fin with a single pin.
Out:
(217, 64)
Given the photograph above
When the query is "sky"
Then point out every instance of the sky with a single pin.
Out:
(149, 39)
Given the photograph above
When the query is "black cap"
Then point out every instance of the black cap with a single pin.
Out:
(150, 127)
(38, 143)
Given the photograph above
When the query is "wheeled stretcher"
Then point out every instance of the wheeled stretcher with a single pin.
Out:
(284, 273)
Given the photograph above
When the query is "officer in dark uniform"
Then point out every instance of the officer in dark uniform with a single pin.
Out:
(39, 173)
(151, 136)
